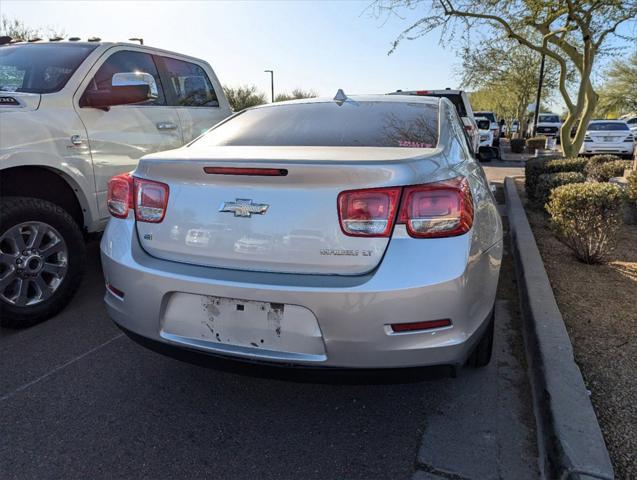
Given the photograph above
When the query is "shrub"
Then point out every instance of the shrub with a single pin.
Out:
(603, 172)
(585, 217)
(517, 145)
(597, 160)
(548, 181)
(631, 187)
(535, 142)
(537, 166)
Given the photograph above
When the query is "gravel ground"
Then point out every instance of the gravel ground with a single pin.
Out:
(599, 306)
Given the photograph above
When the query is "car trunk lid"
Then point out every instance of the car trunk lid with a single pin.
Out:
(284, 223)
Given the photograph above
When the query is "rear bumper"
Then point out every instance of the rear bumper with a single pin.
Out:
(621, 148)
(446, 281)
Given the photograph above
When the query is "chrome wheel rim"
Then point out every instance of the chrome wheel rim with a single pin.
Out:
(33, 263)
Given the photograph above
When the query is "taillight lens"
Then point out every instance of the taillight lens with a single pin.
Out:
(368, 213)
(151, 199)
(441, 209)
(120, 195)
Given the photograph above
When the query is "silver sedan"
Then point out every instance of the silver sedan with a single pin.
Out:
(353, 232)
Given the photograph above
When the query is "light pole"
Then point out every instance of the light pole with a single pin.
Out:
(271, 72)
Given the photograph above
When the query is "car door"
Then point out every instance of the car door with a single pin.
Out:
(191, 91)
(119, 135)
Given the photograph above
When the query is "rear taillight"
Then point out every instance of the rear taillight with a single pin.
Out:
(151, 199)
(441, 209)
(368, 213)
(432, 210)
(629, 138)
(120, 195)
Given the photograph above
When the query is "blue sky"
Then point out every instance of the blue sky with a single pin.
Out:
(319, 45)
(314, 45)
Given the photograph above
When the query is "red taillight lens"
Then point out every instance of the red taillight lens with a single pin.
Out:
(151, 199)
(368, 213)
(416, 326)
(120, 195)
(441, 209)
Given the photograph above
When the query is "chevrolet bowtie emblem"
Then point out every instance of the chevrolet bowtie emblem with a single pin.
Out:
(243, 207)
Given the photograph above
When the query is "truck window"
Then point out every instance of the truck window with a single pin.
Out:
(189, 84)
(39, 68)
(127, 61)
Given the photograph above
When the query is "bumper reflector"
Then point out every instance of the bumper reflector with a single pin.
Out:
(115, 291)
(428, 325)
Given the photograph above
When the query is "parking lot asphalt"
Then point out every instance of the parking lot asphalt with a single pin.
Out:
(78, 399)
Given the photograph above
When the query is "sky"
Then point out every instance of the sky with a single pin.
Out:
(322, 46)
(314, 45)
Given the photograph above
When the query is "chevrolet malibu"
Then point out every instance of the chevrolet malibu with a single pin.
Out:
(354, 232)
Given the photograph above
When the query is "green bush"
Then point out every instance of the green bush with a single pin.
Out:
(538, 166)
(517, 145)
(631, 187)
(535, 143)
(548, 181)
(603, 172)
(586, 217)
(597, 160)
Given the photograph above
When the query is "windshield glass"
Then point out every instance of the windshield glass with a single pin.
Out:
(549, 119)
(352, 124)
(489, 115)
(606, 126)
(39, 68)
(483, 124)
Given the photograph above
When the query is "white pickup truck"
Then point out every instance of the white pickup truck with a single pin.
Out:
(72, 115)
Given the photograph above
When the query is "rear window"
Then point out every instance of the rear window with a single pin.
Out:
(488, 115)
(352, 124)
(606, 126)
(549, 119)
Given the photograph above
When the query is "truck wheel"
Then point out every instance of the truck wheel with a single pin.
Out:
(481, 355)
(42, 258)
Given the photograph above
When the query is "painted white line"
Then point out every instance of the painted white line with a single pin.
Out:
(58, 368)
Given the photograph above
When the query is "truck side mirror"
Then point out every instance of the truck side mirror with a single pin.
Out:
(126, 88)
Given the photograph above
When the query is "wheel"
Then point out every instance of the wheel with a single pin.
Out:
(481, 355)
(42, 258)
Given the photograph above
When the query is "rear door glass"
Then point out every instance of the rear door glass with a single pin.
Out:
(190, 84)
(351, 124)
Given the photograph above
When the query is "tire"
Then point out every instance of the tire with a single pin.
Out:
(38, 282)
(481, 355)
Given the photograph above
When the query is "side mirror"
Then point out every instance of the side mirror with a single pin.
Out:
(126, 88)
(486, 154)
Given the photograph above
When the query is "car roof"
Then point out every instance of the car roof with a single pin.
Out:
(360, 98)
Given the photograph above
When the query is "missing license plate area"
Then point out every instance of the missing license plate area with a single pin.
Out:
(227, 322)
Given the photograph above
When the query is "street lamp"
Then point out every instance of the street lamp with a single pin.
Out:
(271, 72)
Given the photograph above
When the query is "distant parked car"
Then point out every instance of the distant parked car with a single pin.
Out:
(495, 128)
(486, 136)
(72, 115)
(631, 120)
(548, 125)
(460, 100)
(359, 232)
(608, 136)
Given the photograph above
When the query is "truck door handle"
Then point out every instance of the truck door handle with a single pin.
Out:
(166, 126)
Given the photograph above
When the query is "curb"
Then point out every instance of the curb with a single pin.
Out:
(570, 441)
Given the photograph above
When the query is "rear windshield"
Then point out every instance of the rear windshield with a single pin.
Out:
(40, 68)
(548, 119)
(605, 126)
(488, 115)
(352, 124)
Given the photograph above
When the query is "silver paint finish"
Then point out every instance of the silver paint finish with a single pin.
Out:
(397, 280)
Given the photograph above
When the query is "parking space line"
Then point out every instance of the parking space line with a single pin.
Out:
(58, 368)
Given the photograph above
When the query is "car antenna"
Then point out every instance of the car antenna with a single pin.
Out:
(340, 97)
(136, 39)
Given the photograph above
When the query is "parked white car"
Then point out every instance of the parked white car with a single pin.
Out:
(608, 136)
(460, 100)
(72, 115)
(494, 127)
(548, 125)
(484, 129)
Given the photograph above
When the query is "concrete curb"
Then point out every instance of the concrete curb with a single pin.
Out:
(570, 441)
